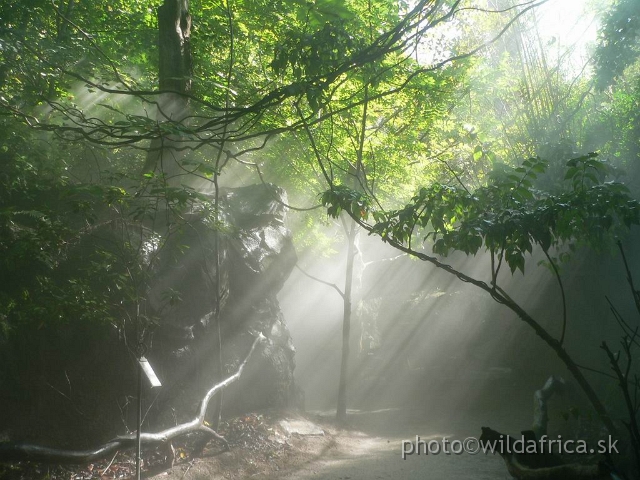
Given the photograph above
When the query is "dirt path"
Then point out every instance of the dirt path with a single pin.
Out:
(371, 449)
(362, 457)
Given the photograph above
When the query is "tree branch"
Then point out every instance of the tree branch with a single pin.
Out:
(500, 297)
(634, 292)
(564, 299)
(37, 453)
(332, 285)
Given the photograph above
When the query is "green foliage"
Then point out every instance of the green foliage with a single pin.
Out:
(618, 43)
(617, 126)
(342, 198)
(82, 184)
(37, 235)
(40, 41)
(312, 56)
(586, 171)
(509, 216)
(337, 73)
(71, 252)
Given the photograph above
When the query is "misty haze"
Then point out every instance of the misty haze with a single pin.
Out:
(327, 239)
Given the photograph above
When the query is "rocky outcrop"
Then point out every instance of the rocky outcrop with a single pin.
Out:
(256, 257)
(74, 384)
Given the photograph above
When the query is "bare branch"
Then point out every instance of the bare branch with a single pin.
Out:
(332, 285)
(564, 299)
(37, 453)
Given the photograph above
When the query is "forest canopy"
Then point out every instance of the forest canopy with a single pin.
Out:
(297, 93)
(436, 125)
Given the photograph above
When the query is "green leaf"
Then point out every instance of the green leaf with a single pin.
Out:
(571, 173)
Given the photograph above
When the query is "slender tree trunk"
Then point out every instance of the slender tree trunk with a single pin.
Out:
(351, 229)
(217, 410)
(341, 411)
(219, 165)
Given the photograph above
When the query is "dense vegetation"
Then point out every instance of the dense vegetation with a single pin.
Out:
(438, 125)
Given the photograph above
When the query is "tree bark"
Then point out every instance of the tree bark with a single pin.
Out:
(341, 410)
(174, 80)
(174, 44)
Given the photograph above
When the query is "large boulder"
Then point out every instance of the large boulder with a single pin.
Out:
(256, 256)
(73, 384)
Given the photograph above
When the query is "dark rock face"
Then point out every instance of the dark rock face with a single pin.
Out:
(76, 385)
(256, 257)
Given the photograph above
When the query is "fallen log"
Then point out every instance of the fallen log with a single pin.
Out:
(541, 466)
(14, 452)
(553, 385)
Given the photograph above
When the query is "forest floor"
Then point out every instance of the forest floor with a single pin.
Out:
(371, 448)
(276, 445)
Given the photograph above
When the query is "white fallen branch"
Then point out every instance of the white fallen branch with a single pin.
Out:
(13, 452)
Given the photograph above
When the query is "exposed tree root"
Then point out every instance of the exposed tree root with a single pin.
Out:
(541, 466)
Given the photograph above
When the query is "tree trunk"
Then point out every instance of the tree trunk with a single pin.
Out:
(341, 411)
(174, 29)
(174, 80)
(359, 181)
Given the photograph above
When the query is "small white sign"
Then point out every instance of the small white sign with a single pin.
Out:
(148, 371)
